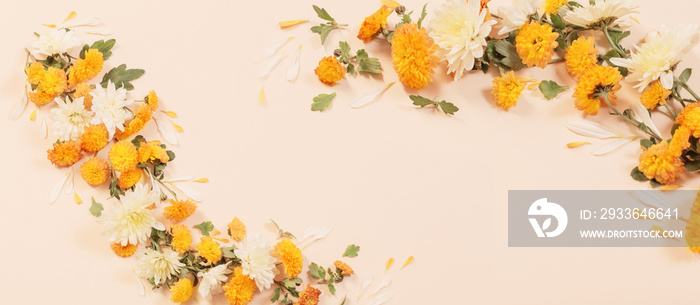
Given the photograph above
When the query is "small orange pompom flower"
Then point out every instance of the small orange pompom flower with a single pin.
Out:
(373, 24)
(95, 171)
(65, 154)
(129, 178)
(179, 210)
(123, 156)
(343, 267)
(309, 296)
(330, 71)
(209, 249)
(52, 84)
(94, 138)
(86, 68)
(413, 56)
(124, 251)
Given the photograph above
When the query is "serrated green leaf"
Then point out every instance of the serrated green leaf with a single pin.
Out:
(511, 59)
(422, 16)
(316, 272)
(228, 252)
(638, 175)
(276, 295)
(361, 54)
(447, 107)
(351, 251)
(205, 227)
(685, 75)
(550, 89)
(646, 143)
(350, 69)
(616, 37)
(323, 14)
(104, 47)
(120, 76)
(96, 208)
(421, 101)
(369, 65)
(322, 101)
(331, 288)
(344, 49)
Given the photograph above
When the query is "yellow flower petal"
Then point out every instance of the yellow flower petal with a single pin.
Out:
(261, 96)
(408, 261)
(534, 85)
(576, 144)
(32, 116)
(214, 233)
(177, 127)
(391, 3)
(70, 16)
(201, 180)
(78, 200)
(49, 25)
(670, 187)
(291, 23)
(171, 114)
(389, 263)
(223, 240)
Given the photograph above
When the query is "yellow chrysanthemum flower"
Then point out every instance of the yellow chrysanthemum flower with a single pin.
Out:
(343, 267)
(657, 163)
(373, 24)
(182, 238)
(87, 68)
(182, 291)
(95, 171)
(690, 118)
(35, 73)
(591, 85)
(309, 296)
(330, 71)
(535, 44)
(179, 210)
(240, 289)
(553, 6)
(655, 94)
(65, 154)
(152, 151)
(52, 84)
(94, 138)
(236, 229)
(208, 249)
(129, 178)
(83, 90)
(692, 228)
(123, 156)
(290, 256)
(680, 141)
(413, 56)
(124, 251)
(507, 89)
(141, 116)
(581, 56)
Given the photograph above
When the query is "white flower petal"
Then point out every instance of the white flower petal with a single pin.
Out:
(141, 287)
(88, 22)
(70, 183)
(381, 286)
(293, 70)
(382, 299)
(642, 115)
(265, 72)
(591, 129)
(308, 233)
(365, 283)
(611, 145)
(105, 32)
(167, 131)
(43, 126)
(57, 189)
(189, 192)
(370, 96)
(19, 106)
(273, 48)
(321, 233)
(584, 16)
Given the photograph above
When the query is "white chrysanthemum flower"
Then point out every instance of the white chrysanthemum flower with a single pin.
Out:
(257, 261)
(108, 106)
(518, 14)
(460, 31)
(157, 265)
(56, 41)
(601, 11)
(70, 119)
(130, 221)
(659, 54)
(210, 281)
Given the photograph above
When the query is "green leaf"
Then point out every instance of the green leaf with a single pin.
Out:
(655, 183)
(325, 30)
(557, 21)
(205, 227)
(350, 69)
(276, 295)
(104, 47)
(693, 166)
(171, 155)
(114, 189)
(638, 175)
(344, 299)
(317, 28)
(121, 77)
(317, 272)
(421, 101)
(422, 16)
(685, 75)
(322, 101)
(447, 107)
(331, 288)
(227, 252)
(96, 208)
(321, 12)
(369, 65)
(646, 143)
(344, 49)
(137, 141)
(616, 37)
(511, 59)
(351, 251)
(550, 89)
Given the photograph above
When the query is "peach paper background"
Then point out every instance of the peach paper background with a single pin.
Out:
(395, 180)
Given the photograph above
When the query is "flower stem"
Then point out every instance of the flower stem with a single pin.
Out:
(670, 110)
(614, 45)
(628, 120)
(687, 88)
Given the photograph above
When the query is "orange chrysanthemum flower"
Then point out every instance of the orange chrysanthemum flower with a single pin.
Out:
(597, 81)
(87, 68)
(507, 89)
(179, 210)
(581, 56)
(52, 84)
(413, 56)
(182, 291)
(141, 116)
(209, 249)
(236, 229)
(129, 178)
(690, 118)
(535, 44)
(680, 141)
(374, 24)
(330, 71)
(553, 6)
(655, 94)
(290, 256)
(65, 154)
(95, 171)
(83, 90)
(124, 251)
(152, 151)
(343, 267)
(94, 138)
(240, 289)
(35, 73)
(123, 156)
(658, 163)
(309, 296)
(182, 238)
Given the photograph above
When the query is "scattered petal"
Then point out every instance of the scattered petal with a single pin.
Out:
(391, 3)
(293, 70)
(365, 283)
(670, 187)
(388, 264)
(189, 192)
(642, 114)
(171, 114)
(576, 144)
(32, 116)
(43, 127)
(383, 285)
(167, 131)
(265, 72)
(534, 85)
(201, 180)
(57, 189)
(409, 260)
(19, 107)
(310, 231)
(612, 145)
(261, 96)
(105, 32)
(381, 299)
(591, 129)
(273, 48)
(223, 240)
(69, 185)
(177, 127)
(370, 96)
(291, 23)
(321, 233)
(77, 198)
(142, 288)
(70, 16)
(49, 25)
(181, 178)
(89, 22)
(214, 233)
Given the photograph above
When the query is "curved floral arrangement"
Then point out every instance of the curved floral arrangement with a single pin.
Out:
(97, 126)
